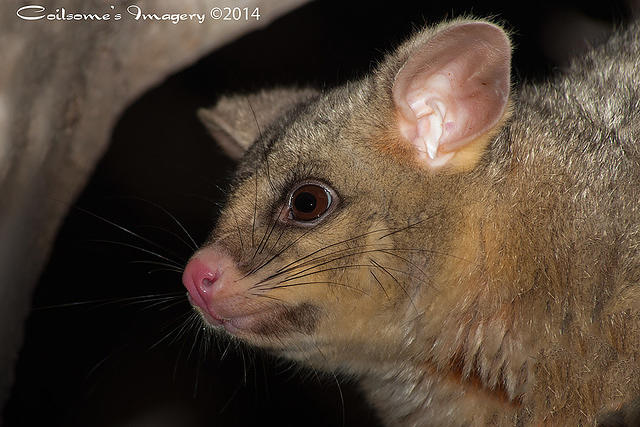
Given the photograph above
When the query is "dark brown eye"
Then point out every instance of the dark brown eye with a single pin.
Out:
(309, 202)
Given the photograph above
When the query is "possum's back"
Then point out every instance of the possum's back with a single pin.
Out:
(575, 167)
(576, 140)
(590, 113)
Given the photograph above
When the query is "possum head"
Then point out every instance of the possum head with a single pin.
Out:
(344, 230)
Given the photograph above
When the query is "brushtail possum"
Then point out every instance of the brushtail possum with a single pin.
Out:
(471, 253)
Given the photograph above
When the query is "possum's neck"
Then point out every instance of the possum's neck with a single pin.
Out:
(419, 396)
(476, 349)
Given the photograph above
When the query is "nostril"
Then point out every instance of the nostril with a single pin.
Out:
(208, 280)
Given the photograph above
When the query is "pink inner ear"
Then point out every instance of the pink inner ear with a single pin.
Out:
(453, 88)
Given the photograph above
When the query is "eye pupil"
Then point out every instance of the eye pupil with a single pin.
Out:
(305, 202)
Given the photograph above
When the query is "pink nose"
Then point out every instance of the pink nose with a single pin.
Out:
(209, 277)
(200, 280)
(215, 284)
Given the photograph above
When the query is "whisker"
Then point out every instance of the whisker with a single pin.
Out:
(195, 245)
(231, 397)
(196, 383)
(361, 236)
(275, 221)
(255, 118)
(126, 230)
(347, 241)
(358, 237)
(97, 365)
(158, 270)
(191, 321)
(193, 344)
(332, 245)
(376, 264)
(168, 302)
(164, 264)
(171, 304)
(138, 248)
(264, 153)
(405, 260)
(341, 398)
(172, 233)
(407, 227)
(332, 260)
(379, 283)
(278, 254)
(176, 295)
(385, 249)
(105, 301)
(282, 230)
(414, 318)
(324, 270)
(244, 366)
(181, 325)
(289, 285)
(226, 349)
(255, 207)
(265, 378)
(266, 235)
(431, 251)
(235, 219)
(269, 297)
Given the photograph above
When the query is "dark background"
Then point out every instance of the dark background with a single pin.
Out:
(105, 362)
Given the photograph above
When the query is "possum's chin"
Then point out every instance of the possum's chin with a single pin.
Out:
(271, 327)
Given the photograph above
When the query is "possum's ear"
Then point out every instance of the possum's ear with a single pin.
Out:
(235, 122)
(452, 92)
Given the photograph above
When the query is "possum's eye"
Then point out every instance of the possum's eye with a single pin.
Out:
(309, 201)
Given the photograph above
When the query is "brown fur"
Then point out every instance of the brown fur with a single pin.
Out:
(503, 291)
